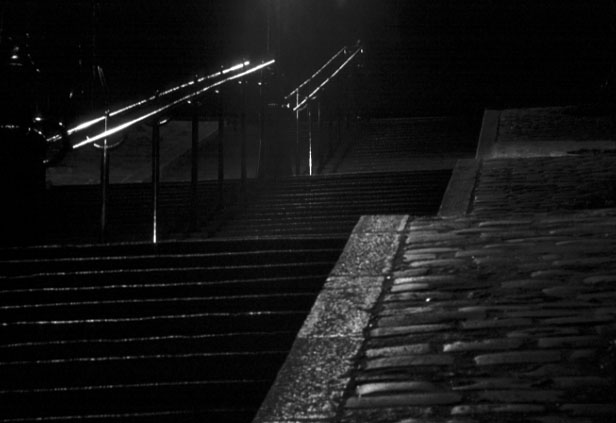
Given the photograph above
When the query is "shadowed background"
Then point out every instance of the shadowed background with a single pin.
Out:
(423, 57)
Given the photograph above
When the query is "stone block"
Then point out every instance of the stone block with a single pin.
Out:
(484, 345)
(408, 330)
(381, 387)
(344, 311)
(392, 351)
(512, 396)
(381, 223)
(472, 409)
(518, 357)
(400, 400)
(409, 361)
(311, 383)
(367, 254)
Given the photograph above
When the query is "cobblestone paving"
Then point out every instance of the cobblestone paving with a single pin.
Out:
(504, 320)
(545, 184)
(579, 123)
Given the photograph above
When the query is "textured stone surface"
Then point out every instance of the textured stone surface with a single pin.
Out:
(381, 223)
(504, 314)
(518, 357)
(496, 323)
(367, 254)
(507, 311)
(410, 329)
(375, 388)
(392, 351)
(512, 396)
(569, 341)
(457, 197)
(603, 410)
(311, 383)
(342, 312)
(484, 344)
(410, 361)
(439, 398)
(497, 409)
(546, 184)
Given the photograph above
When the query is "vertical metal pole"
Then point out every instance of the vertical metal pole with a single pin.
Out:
(221, 152)
(339, 129)
(297, 134)
(243, 135)
(309, 111)
(194, 170)
(104, 183)
(261, 107)
(330, 142)
(319, 140)
(155, 178)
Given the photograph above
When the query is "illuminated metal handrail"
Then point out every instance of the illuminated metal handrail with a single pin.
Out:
(147, 100)
(154, 109)
(300, 105)
(314, 75)
(155, 99)
(302, 102)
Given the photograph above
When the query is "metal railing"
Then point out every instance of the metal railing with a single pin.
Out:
(156, 110)
(307, 95)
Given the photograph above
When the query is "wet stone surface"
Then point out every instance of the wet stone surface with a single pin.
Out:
(502, 315)
(367, 254)
(546, 184)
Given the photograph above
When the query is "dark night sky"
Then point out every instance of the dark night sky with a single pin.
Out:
(432, 55)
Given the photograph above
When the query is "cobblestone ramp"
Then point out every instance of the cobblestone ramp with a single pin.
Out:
(485, 320)
(506, 313)
(545, 184)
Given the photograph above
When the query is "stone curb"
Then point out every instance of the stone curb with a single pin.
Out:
(488, 133)
(540, 148)
(495, 143)
(312, 381)
(458, 195)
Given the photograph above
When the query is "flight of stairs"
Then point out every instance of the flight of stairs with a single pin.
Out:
(139, 332)
(332, 205)
(193, 328)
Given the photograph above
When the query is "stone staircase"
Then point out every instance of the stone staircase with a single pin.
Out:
(331, 205)
(194, 327)
(142, 332)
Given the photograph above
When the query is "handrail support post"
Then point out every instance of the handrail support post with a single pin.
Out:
(221, 151)
(309, 111)
(319, 140)
(194, 170)
(261, 119)
(243, 171)
(104, 180)
(155, 178)
(297, 134)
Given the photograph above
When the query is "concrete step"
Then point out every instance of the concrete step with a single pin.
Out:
(140, 331)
